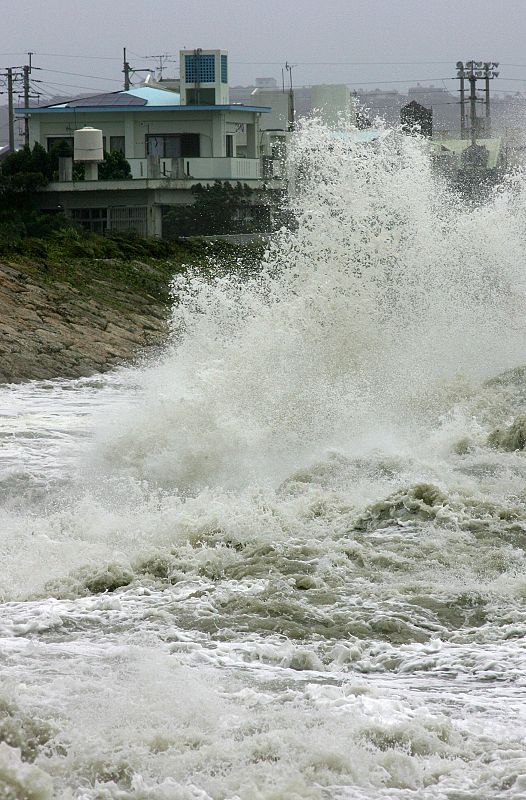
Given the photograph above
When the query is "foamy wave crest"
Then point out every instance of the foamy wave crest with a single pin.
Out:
(386, 293)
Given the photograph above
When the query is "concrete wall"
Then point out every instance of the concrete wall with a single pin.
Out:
(279, 117)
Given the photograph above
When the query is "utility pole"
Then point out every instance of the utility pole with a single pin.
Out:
(472, 104)
(473, 70)
(126, 70)
(462, 108)
(292, 112)
(197, 68)
(10, 113)
(129, 71)
(487, 67)
(26, 71)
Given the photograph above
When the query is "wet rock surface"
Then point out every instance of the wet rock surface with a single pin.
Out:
(51, 329)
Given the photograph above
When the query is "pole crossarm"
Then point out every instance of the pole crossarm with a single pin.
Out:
(472, 71)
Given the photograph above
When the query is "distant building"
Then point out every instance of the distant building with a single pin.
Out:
(266, 83)
(302, 96)
(383, 104)
(443, 104)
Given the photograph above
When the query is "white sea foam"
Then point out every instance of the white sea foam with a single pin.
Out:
(388, 299)
(283, 561)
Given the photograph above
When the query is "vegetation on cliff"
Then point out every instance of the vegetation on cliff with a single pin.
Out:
(72, 302)
(75, 303)
(130, 263)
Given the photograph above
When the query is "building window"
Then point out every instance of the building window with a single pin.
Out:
(173, 145)
(53, 141)
(117, 144)
(229, 146)
(200, 68)
(224, 69)
(128, 218)
(92, 219)
(200, 97)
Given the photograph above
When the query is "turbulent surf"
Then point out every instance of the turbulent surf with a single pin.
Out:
(285, 559)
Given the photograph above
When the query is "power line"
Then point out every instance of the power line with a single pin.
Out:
(78, 74)
(69, 85)
(406, 80)
(344, 63)
(76, 56)
(255, 63)
(511, 79)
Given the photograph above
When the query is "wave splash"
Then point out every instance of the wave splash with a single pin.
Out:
(388, 299)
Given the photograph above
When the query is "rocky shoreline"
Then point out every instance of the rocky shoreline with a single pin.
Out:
(50, 328)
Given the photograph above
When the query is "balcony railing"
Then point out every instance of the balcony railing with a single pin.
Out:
(185, 169)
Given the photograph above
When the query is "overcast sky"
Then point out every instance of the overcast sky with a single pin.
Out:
(87, 36)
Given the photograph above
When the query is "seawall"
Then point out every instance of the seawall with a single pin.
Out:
(75, 322)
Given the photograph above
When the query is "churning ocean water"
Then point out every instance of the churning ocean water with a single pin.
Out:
(285, 559)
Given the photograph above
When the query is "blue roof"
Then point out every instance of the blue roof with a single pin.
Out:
(156, 97)
(140, 98)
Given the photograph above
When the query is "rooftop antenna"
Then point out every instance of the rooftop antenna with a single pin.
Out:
(162, 58)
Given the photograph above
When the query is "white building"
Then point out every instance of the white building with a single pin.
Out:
(171, 140)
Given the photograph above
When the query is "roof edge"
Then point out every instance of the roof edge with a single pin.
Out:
(128, 109)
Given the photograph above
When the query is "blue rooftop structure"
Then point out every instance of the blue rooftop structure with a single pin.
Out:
(155, 97)
(140, 98)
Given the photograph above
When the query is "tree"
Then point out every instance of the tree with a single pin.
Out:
(27, 161)
(114, 167)
(22, 174)
(222, 208)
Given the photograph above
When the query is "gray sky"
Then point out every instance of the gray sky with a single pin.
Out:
(299, 31)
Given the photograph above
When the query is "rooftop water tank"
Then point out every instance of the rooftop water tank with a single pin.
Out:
(88, 145)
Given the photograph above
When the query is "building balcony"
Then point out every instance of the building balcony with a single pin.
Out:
(195, 169)
(169, 177)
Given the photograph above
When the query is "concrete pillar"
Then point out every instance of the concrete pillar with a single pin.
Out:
(218, 135)
(91, 171)
(154, 221)
(252, 141)
(205, 145)
(153, 167)
(129, 136)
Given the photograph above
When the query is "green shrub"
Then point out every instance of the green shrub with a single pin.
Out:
(114, 167)
(33, 248)
(221, 208)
